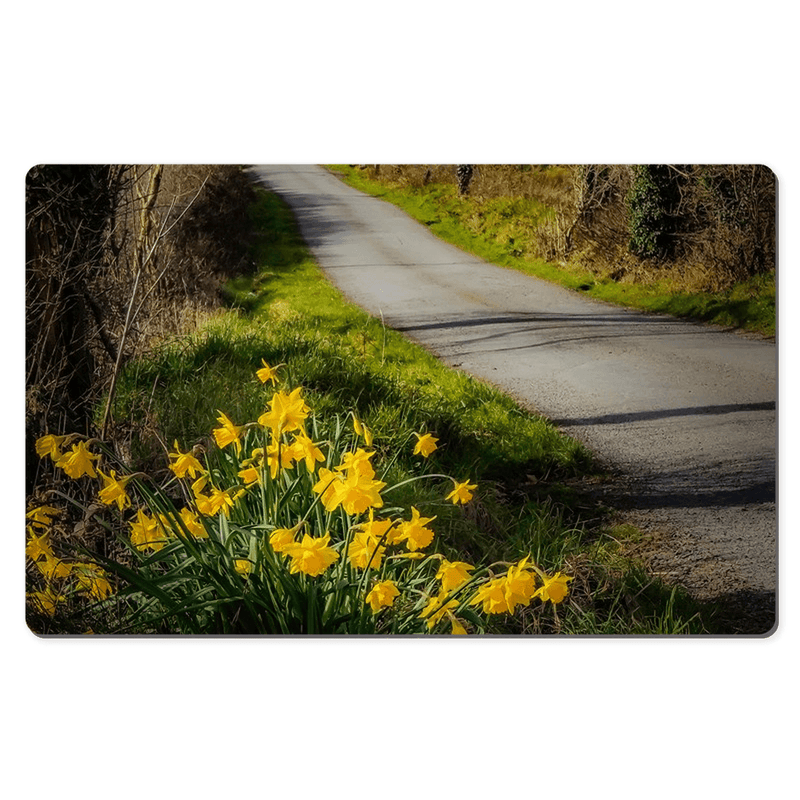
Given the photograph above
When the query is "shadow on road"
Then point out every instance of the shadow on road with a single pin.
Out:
(664, 413)
(523, 317)
(678, 495)
(600, 326)
(745, 612)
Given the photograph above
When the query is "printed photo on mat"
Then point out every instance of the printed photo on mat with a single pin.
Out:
(398, 400)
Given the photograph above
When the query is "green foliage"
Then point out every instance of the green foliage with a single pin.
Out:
(261, 539)
(234, 581)
(649, 204)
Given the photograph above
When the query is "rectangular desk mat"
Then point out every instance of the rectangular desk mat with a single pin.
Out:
(400, 400)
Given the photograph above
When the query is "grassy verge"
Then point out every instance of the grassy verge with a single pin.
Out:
(500, 230)
(288, 313)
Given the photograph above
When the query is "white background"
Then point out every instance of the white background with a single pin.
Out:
(358, 82)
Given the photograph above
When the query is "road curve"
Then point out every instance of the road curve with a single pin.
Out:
(684, 413)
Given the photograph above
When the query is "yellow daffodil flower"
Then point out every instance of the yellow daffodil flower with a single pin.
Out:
(243, 567)
(304, 449)
(287, 413)
(92, 581)
(216, 500)
(193, 524)
(462, 493)
(425, 445)
(53, 567)
(326, 486)
(362, 430)
(358, 463)
(382, 595)
(453, 574)
(113, 490)
(457, 629)
(50, 445)
(520, 585)
(78, 461)
(146, 532)
(268, 373)
(356, 494)
(355, 491)
(364, 551)
(311, 556)
(223, 499)
(492, 595)
(436, 608)
(250, 476)
(555, 588)
(46, 601)
(203, 503)
(184, 463)
(39, 546)
(281, 538)
(41, 517)
(279, 456)
(228, 433)
(415, 533)
(385, 531)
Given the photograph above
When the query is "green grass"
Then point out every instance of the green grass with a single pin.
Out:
(288, 313)
(501, 231)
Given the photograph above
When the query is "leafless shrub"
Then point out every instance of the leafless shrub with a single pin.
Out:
(547, 184)
(552, 239)
(719, 224)
(551, 184)
(727, 219)
(114, 261)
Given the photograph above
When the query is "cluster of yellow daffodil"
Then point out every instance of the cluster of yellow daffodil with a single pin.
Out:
(61, 577)
(269, 516)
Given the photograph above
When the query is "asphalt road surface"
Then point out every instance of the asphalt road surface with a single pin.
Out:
(683, 413)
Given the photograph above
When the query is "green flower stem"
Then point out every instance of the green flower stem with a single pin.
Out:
(316, 502)
(363, 579)
(418, 478)
(312, 606)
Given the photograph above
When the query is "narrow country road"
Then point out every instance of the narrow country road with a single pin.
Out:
(683, 413)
